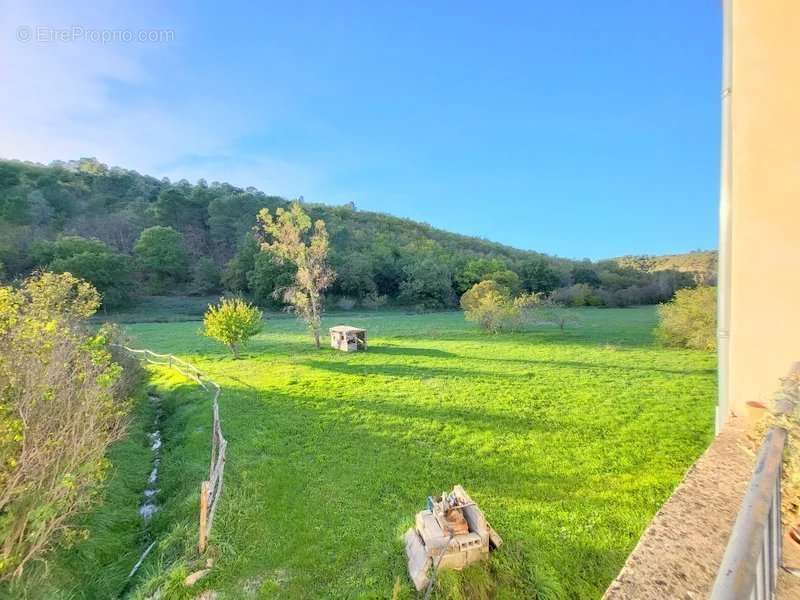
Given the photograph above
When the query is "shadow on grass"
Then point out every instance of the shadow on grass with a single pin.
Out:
(364, 477)
(420, 372)
(409, 351)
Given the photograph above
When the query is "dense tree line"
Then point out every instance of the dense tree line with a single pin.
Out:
(130, 234)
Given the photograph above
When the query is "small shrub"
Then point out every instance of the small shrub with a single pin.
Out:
(689, 320)
(232, 322)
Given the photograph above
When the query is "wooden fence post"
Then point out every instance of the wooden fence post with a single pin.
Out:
(203, 516)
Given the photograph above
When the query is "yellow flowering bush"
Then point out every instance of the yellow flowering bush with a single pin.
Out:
(63, 400)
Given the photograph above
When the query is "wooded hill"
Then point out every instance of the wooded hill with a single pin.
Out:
(131, 234)
(701, 263)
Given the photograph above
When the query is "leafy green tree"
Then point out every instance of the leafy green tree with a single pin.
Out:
(162, 258)
(284, 236)
(354, 277)
(268, 278)
(232, 322)
(231, 218)
(426, 283)
(67, 246)
(237, 271)
(110, 273)
(427, 276)
(584, 275)
(538, 276)
(482, 269)
(92, 260)
(690, 319)
(387, 271)
(206, 276)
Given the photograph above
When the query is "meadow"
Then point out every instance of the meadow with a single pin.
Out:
(569, 441)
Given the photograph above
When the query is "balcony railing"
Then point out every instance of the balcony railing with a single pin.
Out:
(750, 565)
(752, 558)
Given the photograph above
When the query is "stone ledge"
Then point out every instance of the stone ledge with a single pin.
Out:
(680, 551)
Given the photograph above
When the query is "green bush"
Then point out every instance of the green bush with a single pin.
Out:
(689, 320)
(232, 322)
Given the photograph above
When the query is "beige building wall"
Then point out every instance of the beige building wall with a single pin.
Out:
(765, 197)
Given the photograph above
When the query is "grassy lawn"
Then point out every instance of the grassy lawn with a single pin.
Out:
(569, 441)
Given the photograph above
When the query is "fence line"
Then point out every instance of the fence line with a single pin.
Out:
(752, 558)
(211, 488)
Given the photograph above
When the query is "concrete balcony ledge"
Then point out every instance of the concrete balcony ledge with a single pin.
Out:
(680, 551)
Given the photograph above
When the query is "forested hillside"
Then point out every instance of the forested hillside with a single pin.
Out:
(131, 235)
(702, 264)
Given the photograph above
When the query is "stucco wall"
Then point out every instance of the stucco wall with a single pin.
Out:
(765, 248)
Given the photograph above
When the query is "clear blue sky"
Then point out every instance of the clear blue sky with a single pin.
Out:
(577, 128)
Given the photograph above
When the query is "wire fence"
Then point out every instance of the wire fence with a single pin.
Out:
(211, 488)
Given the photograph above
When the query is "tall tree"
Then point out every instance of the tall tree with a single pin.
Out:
(538, 276)
(162, 257)
(289, 237)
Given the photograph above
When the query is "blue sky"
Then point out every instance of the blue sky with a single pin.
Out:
(583, 129)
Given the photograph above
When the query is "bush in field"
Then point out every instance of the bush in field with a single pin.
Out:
(690, 319)
(488, 304)
(232, 322)
(63, 401)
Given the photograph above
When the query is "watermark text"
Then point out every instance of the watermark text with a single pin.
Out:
(42, 34)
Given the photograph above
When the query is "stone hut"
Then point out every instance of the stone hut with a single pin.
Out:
(348, 339)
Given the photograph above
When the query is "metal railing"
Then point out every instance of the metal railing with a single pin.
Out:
(210, 489)
(752, 558)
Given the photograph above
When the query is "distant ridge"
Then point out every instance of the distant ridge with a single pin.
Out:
(702, 263)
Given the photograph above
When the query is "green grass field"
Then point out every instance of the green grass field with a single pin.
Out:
(569, 441)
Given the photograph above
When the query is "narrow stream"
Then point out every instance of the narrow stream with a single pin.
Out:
(149, 506)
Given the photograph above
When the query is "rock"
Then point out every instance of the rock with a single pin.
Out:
(208, 595)
(195, 577)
